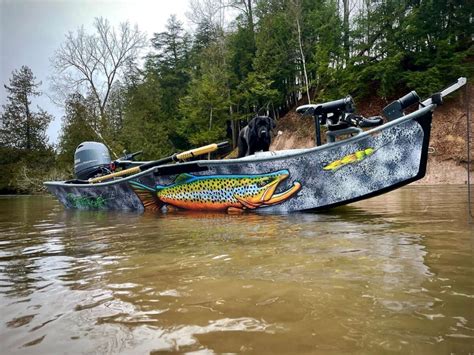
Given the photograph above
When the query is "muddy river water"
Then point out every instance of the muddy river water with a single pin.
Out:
(390, 274)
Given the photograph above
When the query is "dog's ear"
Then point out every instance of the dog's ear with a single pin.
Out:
(252, 123)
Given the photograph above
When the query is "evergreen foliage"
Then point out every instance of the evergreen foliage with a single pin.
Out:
(192, 84)
(170, 64)
(24, 148)
(76, 128)
(205, 109)
(21, 127)
(146, 127)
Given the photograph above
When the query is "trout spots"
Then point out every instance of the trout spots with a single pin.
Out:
(221, 192)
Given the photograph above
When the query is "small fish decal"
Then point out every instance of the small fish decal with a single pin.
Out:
(217, 192)
(349, 159)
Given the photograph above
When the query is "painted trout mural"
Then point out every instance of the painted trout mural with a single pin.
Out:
(217, 192)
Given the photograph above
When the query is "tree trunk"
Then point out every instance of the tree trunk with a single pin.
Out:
(345, 4)
(251, 24)
(233, 127)
(210, 119)
(250, 16)
(303, 61)
(28, 126)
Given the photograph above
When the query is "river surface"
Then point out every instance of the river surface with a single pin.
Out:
(390, 274)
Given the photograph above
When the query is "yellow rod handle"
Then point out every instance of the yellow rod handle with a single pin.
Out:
(198, 151)
(133, 170)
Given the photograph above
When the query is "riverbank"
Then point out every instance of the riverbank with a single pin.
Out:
(447, 161)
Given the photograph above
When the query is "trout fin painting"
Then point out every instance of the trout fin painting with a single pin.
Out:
(217, 192)
(148, 197)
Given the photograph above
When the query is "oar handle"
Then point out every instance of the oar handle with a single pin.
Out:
(197, 151)
(130, 171)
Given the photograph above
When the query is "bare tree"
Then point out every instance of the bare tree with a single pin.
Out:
(296, 4)
(246, 7)
(92, 62)
(207, 11)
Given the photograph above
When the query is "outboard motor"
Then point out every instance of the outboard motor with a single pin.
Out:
(91, 159)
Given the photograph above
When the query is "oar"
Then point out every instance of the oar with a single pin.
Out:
(175, 157)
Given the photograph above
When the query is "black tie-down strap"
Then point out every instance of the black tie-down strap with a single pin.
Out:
(353, 120)
(363, 122)
(371, 121)
(351, 124)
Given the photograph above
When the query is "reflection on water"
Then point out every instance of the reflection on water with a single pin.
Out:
(394, 273)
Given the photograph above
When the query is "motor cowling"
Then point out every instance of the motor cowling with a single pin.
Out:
(91, 159)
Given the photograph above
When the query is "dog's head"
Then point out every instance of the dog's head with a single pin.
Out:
(262, 126)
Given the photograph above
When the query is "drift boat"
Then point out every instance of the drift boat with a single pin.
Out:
(366, 164)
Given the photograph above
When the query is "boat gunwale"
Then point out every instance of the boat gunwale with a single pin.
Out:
(298, 152)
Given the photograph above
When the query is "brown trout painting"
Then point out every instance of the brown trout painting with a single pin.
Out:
(217, 192)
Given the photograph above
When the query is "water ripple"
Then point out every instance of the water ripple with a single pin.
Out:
(387, 274)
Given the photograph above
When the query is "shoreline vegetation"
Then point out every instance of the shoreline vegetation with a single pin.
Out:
(263, 57)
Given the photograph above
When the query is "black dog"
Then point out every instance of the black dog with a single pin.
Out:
(256, 136)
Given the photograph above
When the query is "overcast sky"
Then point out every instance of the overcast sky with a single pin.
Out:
(31, 30)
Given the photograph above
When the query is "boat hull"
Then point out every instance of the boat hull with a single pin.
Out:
(369, 164)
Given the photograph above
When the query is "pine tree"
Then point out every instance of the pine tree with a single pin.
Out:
(171, 62)
(25, 155)
(145, 126)
(276, 55)
(205, 109)
(21, 127)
